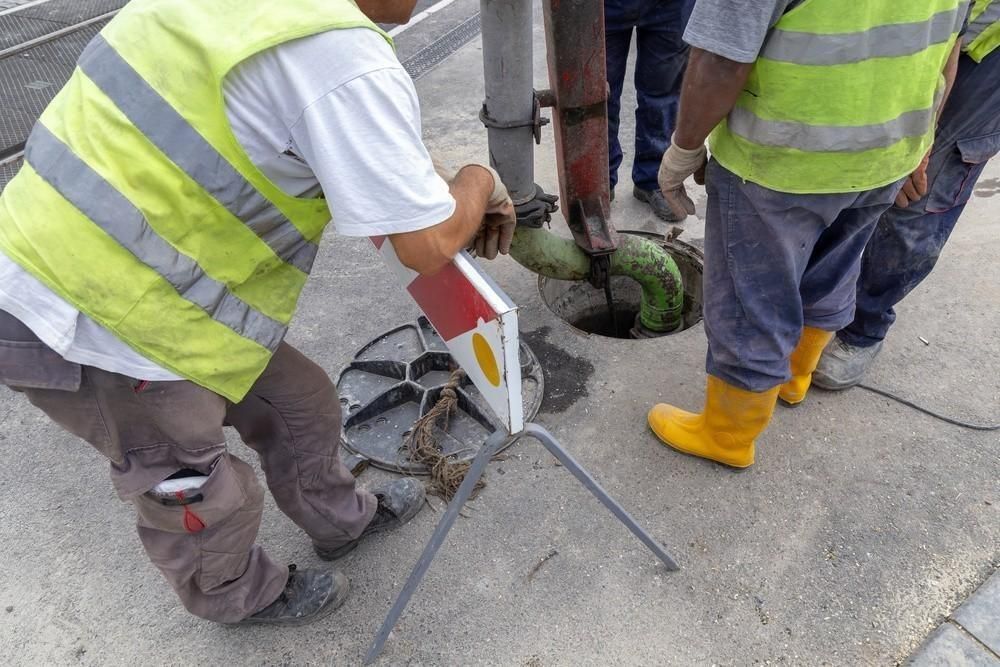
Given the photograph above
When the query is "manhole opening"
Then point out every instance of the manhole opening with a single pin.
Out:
(586, 308)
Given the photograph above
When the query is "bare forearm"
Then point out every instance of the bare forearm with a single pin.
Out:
(429, 250)
(712, 84)
(950, 72)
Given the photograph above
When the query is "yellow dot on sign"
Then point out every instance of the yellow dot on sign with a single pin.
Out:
(487, 361)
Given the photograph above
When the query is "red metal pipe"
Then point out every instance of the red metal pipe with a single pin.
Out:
(574, 31)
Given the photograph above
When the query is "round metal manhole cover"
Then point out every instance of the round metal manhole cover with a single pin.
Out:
(397, 378)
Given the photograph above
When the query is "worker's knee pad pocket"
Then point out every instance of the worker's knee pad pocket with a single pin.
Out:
(227, 490)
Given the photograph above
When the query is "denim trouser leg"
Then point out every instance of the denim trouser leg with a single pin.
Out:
(660, 60)
(907, 242)
(899, 256)
(774, 262)
(618, 39)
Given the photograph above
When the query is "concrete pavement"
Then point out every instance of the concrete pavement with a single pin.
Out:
(861, 527)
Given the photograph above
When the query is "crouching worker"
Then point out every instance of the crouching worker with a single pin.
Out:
(153, 248)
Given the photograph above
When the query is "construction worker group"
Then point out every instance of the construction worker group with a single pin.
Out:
(173, 195)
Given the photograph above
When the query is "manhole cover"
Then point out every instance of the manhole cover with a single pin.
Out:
(397, 378)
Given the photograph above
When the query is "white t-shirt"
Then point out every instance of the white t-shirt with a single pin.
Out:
(334, 112)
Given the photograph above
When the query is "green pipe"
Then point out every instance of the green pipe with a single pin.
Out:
(638, 258)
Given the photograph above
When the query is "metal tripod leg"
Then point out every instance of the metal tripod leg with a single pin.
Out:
(465, 490)
(543, 436)
(486, 452)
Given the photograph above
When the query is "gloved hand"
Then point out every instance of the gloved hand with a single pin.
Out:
(915, 186)
(499, 223)
(677, 164)
(497, 232)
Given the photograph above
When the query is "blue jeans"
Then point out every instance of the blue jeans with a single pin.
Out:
(907, 242)
(660, 61)
(773, 263)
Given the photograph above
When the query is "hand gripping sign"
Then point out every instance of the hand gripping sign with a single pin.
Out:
(478, 323)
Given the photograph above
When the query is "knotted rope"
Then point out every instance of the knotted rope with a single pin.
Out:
(446, 475)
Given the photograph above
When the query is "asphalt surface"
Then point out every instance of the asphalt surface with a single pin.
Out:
(862, 526)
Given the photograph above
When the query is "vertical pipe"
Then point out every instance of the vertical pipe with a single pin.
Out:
(508, 70)
(574, 35)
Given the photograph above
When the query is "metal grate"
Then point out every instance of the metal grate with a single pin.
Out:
(16, 29)
(37, 21)
(69, 12)
(428, 58)
(8, 170)
(30, 79)
(7, 5)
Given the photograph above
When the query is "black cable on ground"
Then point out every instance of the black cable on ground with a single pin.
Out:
(918, 408)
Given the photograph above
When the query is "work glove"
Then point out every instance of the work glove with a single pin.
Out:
(499, 223)
(915, 186)
(677, 164)
(500, 220)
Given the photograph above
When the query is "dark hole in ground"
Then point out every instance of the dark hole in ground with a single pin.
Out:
(602, 324)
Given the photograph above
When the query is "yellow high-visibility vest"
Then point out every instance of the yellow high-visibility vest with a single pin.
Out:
(843, 96)
(983, 36)
(137, 205)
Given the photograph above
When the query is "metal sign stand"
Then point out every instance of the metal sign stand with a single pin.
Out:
(486, 453)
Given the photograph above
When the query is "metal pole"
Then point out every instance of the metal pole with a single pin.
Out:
(585, 478)
(509, 79)
(476, 470)
(575, 49)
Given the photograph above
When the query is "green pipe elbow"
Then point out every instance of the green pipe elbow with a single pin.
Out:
(637, 258)
(651, 266)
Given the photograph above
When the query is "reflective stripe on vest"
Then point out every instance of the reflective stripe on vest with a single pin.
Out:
(842, 97)
(138, 205)
(180, 142)
(983, 34)
(884, 41)
(829, 138)
(80, 185)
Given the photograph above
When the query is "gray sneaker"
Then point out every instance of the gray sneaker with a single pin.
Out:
(398, 502)
(308, 595)
(842, 366)
(656, 202)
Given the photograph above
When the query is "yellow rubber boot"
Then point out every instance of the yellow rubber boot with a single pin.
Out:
(803, 362)
(725, 431)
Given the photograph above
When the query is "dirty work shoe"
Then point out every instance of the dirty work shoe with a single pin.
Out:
(724, 431)
(398, 502)
(656, 202)
(308, 595)
(842, 365)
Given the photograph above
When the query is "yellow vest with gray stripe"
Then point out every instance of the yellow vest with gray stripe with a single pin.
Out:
(138, 206)
(983, 35)
(842, 97)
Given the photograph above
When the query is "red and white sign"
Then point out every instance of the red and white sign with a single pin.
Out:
(478, 323)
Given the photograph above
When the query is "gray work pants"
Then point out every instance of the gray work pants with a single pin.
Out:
(151, 430)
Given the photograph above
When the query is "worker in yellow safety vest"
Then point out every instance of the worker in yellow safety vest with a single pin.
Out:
(910, 236)
(153, 248)
(819, 112)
